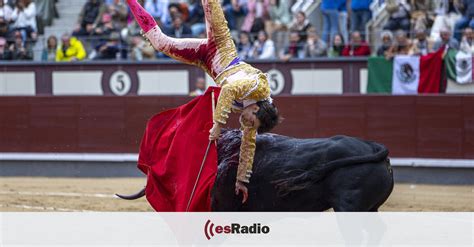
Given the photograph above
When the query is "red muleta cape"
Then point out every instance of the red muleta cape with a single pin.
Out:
(171, 154)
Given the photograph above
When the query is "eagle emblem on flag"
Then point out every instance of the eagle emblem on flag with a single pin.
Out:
(406, 74)
(463, 68)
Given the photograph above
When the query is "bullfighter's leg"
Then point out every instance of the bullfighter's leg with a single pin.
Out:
(220, 41)
(189, 51)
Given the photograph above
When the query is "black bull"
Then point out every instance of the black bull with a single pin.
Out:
(289, 174)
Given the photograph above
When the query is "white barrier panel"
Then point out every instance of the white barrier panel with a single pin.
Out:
(455, 88)
(317, 81)
(364, 80)
(163, 82)
(17, 84)
(283, 229)
(72, 83)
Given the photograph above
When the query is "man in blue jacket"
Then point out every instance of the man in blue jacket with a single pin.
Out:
(330, 10)
(466, 20)
(361, 14)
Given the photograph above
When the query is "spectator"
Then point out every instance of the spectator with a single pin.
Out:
(387, 43)
(200, 87)
(315, 46)
(111, 49)
(5, 53)
(133, 28)
(11, 3)
(89, 18)
(45, 13)
(402, 46)
(101, 34)
(357, 47)
(234, 10)
(295, 49)
(280, 22)
(342, 19)
(119, 12)
(263, 47)
(6, 13)
(159, 10)
(70, 50)
(105, 27)
(361, 14)
(422, 13)
(337, 46)
(467, 19)
(399, 11)
(24, 17)
(446, 40)
(178, 9)
(447, 14)
(244, 46)
(178, 29)
(140, 50)
(20, 49)
(280, 16)
(467, 43)
(49, 52)
(330, 11)
(301, 25)
(196, 18)
(257, 16)
(421, 45)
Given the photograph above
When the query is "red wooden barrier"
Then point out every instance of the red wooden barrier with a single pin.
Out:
(411, 126)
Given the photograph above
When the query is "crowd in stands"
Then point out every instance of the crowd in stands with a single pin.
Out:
(18, 29)
(20, 23)
(263, 29)
(421, 27)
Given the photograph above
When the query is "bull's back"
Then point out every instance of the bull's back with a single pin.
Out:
(281, 151)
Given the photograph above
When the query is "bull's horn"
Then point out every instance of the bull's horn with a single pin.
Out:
(134, 196)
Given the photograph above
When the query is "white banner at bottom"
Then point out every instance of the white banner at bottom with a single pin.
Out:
(283, 229)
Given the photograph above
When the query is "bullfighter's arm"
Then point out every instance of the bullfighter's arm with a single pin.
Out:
(247, 153)
(230, 92)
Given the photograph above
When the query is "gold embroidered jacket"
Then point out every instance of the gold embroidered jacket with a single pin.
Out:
(242, 83)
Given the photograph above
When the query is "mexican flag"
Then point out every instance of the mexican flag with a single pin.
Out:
(459, 66)
(406, 74)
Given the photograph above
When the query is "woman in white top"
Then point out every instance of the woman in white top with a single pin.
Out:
(24, 17)
(263, 48)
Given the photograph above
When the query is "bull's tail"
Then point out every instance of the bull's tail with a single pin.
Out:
(298, 179)
(135, 196)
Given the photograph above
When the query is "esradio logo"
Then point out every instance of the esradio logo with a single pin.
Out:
(210, 230)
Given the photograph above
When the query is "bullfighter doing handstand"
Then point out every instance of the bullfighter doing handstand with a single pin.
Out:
(245, 89)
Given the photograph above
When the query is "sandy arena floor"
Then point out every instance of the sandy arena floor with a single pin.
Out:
(77, 195)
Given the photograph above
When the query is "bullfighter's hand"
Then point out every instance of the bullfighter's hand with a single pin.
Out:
(215, 132)
(239, 186)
